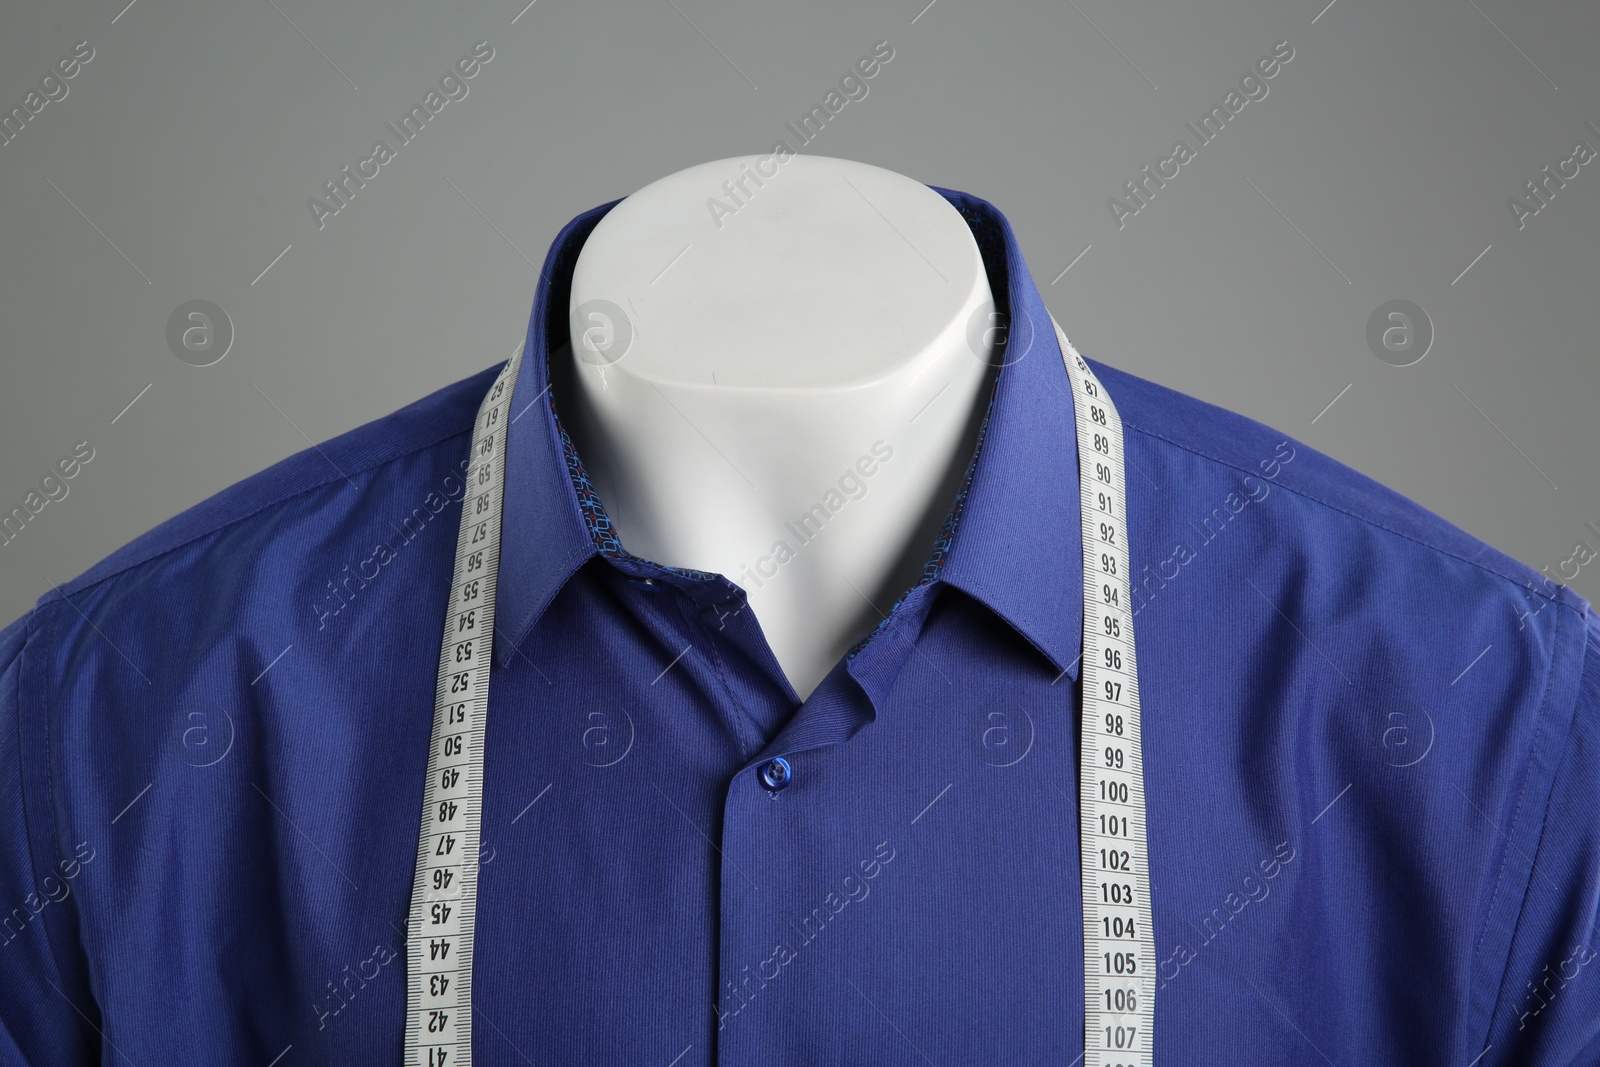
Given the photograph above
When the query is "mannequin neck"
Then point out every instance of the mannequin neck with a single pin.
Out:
(786, 394)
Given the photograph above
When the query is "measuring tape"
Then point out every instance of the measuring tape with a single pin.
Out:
(1118, 948)
(444, 893)
(1118, 945)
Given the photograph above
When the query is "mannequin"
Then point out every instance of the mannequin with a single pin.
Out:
(778, 372)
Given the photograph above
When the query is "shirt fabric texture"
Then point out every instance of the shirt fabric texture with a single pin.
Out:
(1371, 745)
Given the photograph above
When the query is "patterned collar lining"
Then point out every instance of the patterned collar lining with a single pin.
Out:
(991, 245)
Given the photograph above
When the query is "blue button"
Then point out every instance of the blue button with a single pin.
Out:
(776, 774)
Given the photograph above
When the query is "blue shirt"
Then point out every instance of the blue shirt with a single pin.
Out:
(1371, 750)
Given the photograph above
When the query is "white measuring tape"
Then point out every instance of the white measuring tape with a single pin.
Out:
(1118, 945)
(1118, 948)
(444, 893)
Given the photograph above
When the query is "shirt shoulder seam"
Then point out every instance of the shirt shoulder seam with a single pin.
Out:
(50, 773)
(1369, 520)
(1522, 798)
(1557, 762)
(39, 631)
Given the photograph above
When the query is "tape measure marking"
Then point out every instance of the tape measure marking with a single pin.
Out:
(444, 891)
(1118, 944)
(1118, 947)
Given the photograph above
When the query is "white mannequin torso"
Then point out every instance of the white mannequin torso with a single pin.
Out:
(773, 379)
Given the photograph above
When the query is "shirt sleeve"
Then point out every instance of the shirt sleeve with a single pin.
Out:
(39, 1025)
(1549, 1006)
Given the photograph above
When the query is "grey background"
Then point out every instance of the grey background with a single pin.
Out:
(1378, 167)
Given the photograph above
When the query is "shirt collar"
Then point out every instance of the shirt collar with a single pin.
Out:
(1012, 539)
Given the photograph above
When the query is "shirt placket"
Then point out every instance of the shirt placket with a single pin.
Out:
(777, 816)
